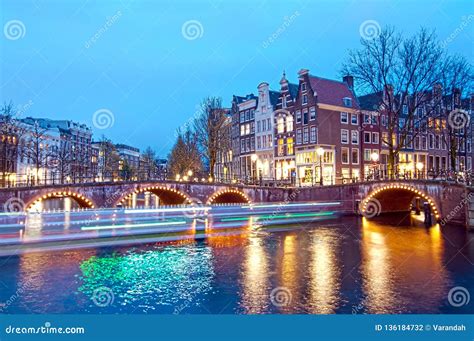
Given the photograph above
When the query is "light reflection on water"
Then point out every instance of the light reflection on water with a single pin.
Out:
(350, 266)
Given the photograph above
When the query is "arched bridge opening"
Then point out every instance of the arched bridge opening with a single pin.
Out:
(397, 198)
(59, 200)
(153, 196)
(229, 196)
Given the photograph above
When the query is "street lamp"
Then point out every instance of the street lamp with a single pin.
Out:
(254, 158)
(375, 158)
(177, 177)
(190, 173)
(419, 167)
(320, 152)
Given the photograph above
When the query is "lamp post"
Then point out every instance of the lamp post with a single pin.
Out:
(254, 158)
(320, 152)
(375, 158)
(419, 168)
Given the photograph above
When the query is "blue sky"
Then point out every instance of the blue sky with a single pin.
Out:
(65, 62)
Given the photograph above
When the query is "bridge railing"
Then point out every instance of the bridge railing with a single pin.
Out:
(19, 181)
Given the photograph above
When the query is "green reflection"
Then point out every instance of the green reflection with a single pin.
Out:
(164, 276)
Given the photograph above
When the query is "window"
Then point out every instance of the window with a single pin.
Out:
(305, 116)
(298, 116)
(401, 123)
(269, 140)
(280, 125)
(259, 143)
(431, 141)
(313, 134)
(258, 126)
(312, 113)
(367, 155)
(345, 155)
(298, 136)
(366, 118)
(252, 127)
(437, 145)
(367, 137)
(417, 142)
(405, 109)
(423, 143)
(344, 136)
(289, 123)
(374, 119)
(264, 125)
(344, 117)
(252, 114)
(355, 156)
(247, 115)
(242, 145)
(305, 99)
(375, 138)
(242, 130)
(355, 137)
(305, 135)
(283, 101)
(280, 147)
(354, 119)
(347, 102)
(242, 116)
(289, 146)
(384, 120)
(303, 86)
(269, 124)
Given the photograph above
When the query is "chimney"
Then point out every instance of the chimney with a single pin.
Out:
(303, 72)
(349, 80)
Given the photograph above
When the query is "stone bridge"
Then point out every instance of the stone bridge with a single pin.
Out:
(448, 201)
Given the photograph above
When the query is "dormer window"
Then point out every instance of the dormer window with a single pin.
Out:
(283, 101)
(303, 86)
(347, 102)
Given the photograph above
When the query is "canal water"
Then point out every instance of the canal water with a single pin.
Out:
(347, 265)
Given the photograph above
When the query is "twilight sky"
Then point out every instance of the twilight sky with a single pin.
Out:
(147, 64)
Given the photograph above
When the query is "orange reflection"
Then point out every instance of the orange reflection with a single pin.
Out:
(324, 280)
(397, 259)
(255, 281)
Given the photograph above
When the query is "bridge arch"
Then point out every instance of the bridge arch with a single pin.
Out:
(392, 198)
(228, 196)
(168, 196)
(79, 198)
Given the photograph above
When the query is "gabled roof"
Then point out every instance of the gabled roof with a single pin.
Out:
(274, 96)
(293, 89)
(371, 101)
(332, 92)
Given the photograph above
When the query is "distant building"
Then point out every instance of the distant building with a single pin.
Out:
(129, 155)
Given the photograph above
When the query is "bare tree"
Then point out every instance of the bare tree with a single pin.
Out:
(109, 159)
(38, 150)
(185, 154)
(148, 167)
(405, 72)
(61, 160)
(210, 131)
(11, 132)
